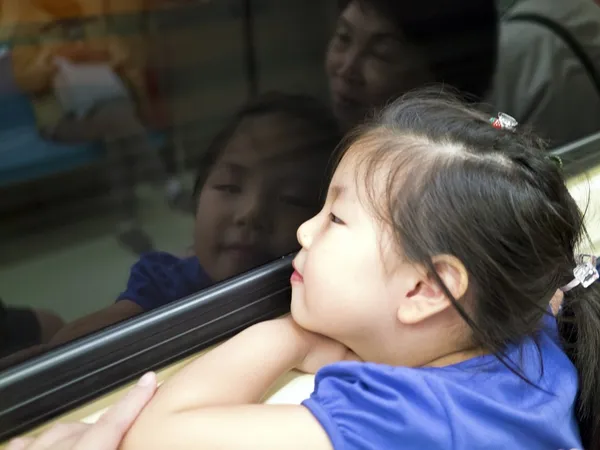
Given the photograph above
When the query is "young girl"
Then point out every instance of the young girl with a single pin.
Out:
(421, 299)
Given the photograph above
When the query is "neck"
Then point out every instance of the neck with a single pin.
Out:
(456, 357)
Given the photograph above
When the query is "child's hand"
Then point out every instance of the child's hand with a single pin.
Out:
(313, 351)
(323, 351)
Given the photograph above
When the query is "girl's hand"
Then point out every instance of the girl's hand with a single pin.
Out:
(311, 351)
(322, 351)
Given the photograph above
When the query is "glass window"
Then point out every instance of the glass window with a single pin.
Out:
(151, 150)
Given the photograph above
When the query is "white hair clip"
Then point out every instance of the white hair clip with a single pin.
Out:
(585, 273)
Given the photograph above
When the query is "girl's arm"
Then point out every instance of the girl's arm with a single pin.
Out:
(211, 403)
(96, 321)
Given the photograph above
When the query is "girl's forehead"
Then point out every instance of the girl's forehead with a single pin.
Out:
(361, 166)
(271, 137)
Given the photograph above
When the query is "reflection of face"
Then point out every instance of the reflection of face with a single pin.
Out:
(367, 64)
(259, 191)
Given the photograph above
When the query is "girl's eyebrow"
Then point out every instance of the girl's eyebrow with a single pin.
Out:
(336, 191)
(236, 169)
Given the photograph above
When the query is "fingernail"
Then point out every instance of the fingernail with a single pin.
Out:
(147, 379)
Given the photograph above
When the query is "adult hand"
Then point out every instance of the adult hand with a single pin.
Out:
(106, 434)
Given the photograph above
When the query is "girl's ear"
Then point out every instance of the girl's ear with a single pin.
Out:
(426, 298)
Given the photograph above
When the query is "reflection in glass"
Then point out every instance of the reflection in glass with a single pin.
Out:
(113, 185)
(382, 49)
(548, 72)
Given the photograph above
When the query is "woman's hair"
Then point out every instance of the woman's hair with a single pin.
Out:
(319, 130)
(493, 199)
(457, 39)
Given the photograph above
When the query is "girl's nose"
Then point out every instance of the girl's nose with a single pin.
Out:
(252, 212)
(306, 232)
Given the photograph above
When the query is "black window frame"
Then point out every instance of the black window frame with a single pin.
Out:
(78, 372)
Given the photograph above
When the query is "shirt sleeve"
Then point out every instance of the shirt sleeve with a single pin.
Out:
(366, 406)
(153, 281)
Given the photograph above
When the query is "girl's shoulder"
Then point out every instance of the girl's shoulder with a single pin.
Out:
(158, 278)
(464, 405)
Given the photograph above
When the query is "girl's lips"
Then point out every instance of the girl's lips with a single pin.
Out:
(296, 277)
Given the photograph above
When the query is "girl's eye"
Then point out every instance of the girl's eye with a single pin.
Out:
(342, 37)
(335, 219)
(228, 188)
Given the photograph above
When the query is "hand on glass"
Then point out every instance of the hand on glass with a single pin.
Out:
(106, 434)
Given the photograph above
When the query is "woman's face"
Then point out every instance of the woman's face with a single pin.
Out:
(368, 64)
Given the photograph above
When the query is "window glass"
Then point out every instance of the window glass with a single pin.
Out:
(152, 148)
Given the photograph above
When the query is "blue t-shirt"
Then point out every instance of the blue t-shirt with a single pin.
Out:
(160, 278)
(476, 404)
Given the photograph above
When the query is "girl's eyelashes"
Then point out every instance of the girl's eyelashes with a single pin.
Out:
(228, 188)
(335, 219)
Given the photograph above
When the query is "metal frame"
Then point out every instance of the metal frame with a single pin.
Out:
(580, 156)
(69, 376)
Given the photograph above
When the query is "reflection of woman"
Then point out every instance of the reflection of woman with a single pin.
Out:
(383, 48)
(66, 34)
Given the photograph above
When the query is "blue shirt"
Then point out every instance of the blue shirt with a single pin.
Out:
(476, 404)
(160, 278)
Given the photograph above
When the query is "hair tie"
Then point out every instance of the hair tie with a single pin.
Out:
(556, 160)
(504, 122)
(585, 273)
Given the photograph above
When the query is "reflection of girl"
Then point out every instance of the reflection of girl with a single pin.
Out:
(65, 34)
(421, 298)
(383, 48)
(258, 181)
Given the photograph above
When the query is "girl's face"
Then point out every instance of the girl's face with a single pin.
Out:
(345, 292)
(261, 188)
(367, 64)
(352, 285)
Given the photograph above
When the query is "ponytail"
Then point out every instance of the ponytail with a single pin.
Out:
(579, 324)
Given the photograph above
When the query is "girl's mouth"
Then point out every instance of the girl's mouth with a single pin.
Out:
(296, 277)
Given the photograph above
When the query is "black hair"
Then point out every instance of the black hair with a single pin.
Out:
(458, 39)
(501, 206)
(316, 118)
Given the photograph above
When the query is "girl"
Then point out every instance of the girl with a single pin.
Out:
(260, 178)
(421, 299)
